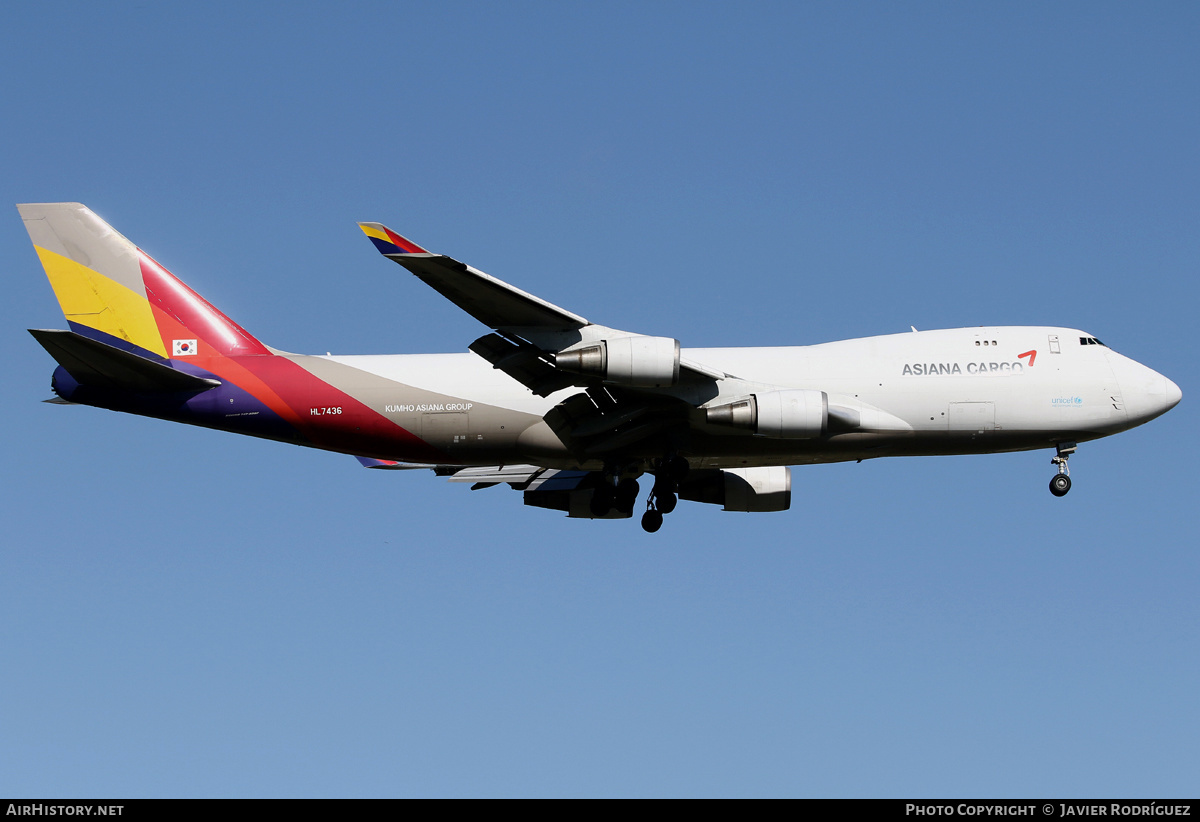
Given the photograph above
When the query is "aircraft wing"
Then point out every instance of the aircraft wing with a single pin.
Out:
(496, 474)
(532, 332)
(520, 477)
(543, 487)
(494, 303)
(482, 476)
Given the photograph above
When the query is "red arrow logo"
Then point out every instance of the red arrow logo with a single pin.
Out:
(1032, 355)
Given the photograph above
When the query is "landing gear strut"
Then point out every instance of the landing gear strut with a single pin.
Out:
(1061, 483)
(663, 498)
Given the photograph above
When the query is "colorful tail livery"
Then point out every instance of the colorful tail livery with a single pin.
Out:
(570, 412)
(142, 341)
(113, 292)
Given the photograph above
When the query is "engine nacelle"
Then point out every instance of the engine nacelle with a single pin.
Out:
(743, 489)
(793, 413)
(644, 362)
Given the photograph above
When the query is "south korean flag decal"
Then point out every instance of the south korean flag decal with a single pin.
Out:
(183, 348)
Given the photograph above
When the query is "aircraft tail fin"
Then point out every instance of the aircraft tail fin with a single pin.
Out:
(116, 294)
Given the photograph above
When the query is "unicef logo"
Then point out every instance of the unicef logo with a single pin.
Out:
(1067, 401)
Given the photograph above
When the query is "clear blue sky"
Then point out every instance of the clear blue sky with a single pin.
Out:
(188, 613)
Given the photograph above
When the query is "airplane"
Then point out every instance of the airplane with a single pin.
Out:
(570, 412)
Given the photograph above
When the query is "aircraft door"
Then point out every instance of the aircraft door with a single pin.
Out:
(446, 430)
(972, 417)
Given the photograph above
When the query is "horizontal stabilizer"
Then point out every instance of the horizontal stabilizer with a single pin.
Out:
(103, 366)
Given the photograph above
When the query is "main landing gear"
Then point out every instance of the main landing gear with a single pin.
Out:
(1061, 483)
(622, 495)
(663, 498)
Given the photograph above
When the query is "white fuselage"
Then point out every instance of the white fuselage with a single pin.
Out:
(969, 390)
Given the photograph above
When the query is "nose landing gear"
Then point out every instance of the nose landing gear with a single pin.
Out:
(1061, 483)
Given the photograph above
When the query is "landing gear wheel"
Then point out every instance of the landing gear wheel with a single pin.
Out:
(651, 521)
(626, 497)
(1060, 485)
(665, 503)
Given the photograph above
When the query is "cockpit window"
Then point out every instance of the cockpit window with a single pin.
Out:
(1090, 341)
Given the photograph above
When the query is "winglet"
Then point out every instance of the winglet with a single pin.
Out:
(389, 242)
(493, 302)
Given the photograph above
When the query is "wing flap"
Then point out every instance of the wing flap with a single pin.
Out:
(516, 475)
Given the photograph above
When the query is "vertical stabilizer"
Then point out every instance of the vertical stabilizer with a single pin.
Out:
(113, 292)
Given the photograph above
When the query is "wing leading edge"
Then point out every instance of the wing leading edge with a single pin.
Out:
(535, 337)
(494, 303)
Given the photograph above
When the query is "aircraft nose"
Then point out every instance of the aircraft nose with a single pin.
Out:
(1146, 392)
(1173, 394)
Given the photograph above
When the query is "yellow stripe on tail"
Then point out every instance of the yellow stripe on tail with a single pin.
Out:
(89, 298)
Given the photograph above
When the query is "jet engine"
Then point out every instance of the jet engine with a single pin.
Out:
(642, 362)
(793, 413)
(742, 489)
